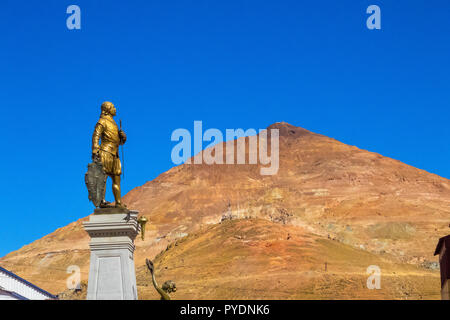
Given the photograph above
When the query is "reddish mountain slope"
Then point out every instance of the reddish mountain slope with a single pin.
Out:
(327, 189)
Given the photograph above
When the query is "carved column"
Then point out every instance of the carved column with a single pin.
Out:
(112, 274)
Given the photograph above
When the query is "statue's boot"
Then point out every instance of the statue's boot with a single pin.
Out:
(121, 205)
(105, 204)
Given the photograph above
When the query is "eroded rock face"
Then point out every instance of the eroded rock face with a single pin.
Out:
(329, 189)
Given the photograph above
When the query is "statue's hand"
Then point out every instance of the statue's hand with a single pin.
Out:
(122, 136)
(95, 156)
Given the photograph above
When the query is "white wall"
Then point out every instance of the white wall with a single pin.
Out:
(6, 297)
(12, 284)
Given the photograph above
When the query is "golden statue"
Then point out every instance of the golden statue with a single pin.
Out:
(107, 153)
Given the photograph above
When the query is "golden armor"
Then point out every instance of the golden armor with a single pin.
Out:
(107, 152)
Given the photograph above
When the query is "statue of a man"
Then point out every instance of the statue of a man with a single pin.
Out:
(107, 152)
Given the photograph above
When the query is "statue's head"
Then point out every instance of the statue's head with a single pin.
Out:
(108, 108)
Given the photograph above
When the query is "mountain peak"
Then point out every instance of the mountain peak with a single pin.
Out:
(350, 202)
(288, 130)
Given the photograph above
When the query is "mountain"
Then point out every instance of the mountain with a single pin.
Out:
(329, 203)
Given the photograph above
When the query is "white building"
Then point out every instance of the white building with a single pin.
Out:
(13, 287)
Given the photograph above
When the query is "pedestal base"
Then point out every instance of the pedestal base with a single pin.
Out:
(112, 274)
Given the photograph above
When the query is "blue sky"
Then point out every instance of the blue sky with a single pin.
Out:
(232, 64)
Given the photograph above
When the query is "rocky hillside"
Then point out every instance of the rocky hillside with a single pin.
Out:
(336, 203)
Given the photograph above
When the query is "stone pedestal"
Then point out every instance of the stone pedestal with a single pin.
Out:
(111, 273)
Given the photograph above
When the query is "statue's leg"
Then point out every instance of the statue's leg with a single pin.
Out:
(116, 190)
(104, 190)
(104, 203)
